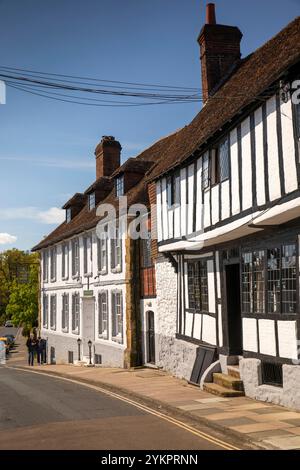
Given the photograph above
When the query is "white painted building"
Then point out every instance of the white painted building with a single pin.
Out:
(228, 207)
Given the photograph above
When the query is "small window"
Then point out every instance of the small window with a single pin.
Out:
(53, 312)
(116, 251)
(92, 201)
(76, 314)
(102, 252)
(68, 215)
(119, 185)
(45, 310)
(75, 258)
(45, 265)
(205, 171)
(272, 374)
(65, 261)
(103, 315)
(197, 285)
(53, 264)
(87, 254)
(220, 162)
(65, 313)
(173, 190)
(70, 357)
(117, 317)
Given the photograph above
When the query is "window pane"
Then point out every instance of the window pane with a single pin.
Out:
(247, 298)
(274, 280)
(224, 160)
(205, 171)
(288, 278)
(258, 282)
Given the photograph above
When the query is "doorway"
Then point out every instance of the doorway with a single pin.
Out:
(150, 338)
(234, 318)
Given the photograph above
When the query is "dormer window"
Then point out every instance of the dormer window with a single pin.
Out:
(92, 201)
(119, 185)
(68, 215)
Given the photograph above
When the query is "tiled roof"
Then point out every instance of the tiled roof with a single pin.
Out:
(253, 76)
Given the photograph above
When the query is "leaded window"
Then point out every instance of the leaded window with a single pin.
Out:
(92, 201)
(269, 280)
(119, 185)
(205, 171)
(197, 285)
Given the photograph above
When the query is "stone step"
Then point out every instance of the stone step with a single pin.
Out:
(228, 381)
(234, 371)
(220, 391)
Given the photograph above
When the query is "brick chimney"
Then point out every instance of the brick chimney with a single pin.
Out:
(219, 51)
(108, 154)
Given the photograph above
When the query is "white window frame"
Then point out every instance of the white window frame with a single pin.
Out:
(102, 253)
(76, 313)
(117, 313)
(92, 200)
(65, 261)
(88, 255)
(75, 258)
(45, 311)
(53, 311)
(45, 266)
(53, 263)
(116, 251)
(65, 312)
(103, 314)
(68, 215)
(119, 185)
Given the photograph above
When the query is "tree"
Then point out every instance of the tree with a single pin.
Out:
(19, 287)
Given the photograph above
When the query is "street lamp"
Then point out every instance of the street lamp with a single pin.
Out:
(90, 351)
(79, 343)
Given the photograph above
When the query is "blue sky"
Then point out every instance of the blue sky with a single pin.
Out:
(47, 147)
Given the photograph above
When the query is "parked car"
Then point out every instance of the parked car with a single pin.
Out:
(8, 324)
(10, 340)
(5, 341)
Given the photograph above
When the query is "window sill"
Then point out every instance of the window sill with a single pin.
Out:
(66, 278)
(75, 332)
(103, 337)
(88, 274)
(103, 272)
(117, 339)
(53, 328)
(65, 330)
(53, 280)
(116, 270)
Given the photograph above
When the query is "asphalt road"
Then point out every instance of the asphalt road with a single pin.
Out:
(40, 412)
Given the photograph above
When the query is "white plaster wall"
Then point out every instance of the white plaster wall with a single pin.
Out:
(234, 172)
(158, 209)
(288, 148)
(267, 343)
(225, 203)
(215, 204)
(246, 164)
(287, 339)
(183, 202)
(260, 164)
(199, 211)
(174, 355)
(250, 335)
(206, 208)
(209, 330)
(273, 163)
(190, 207)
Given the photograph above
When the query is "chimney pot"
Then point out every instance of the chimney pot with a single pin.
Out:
(210, 13)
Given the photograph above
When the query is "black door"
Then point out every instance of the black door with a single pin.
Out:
(151, 338)
(234, 309)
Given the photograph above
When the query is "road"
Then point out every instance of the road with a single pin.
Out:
(42, 412)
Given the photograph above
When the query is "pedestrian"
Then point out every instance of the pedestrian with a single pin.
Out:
(31, 346)
(41, 351)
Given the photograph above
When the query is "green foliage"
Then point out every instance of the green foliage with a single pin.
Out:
(19, 287)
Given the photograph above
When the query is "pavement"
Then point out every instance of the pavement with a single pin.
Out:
(257, 424)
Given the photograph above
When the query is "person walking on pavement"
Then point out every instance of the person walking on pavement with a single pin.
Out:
(31, 346)
(41, 351)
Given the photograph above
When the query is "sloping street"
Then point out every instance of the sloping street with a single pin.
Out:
(39, 412)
